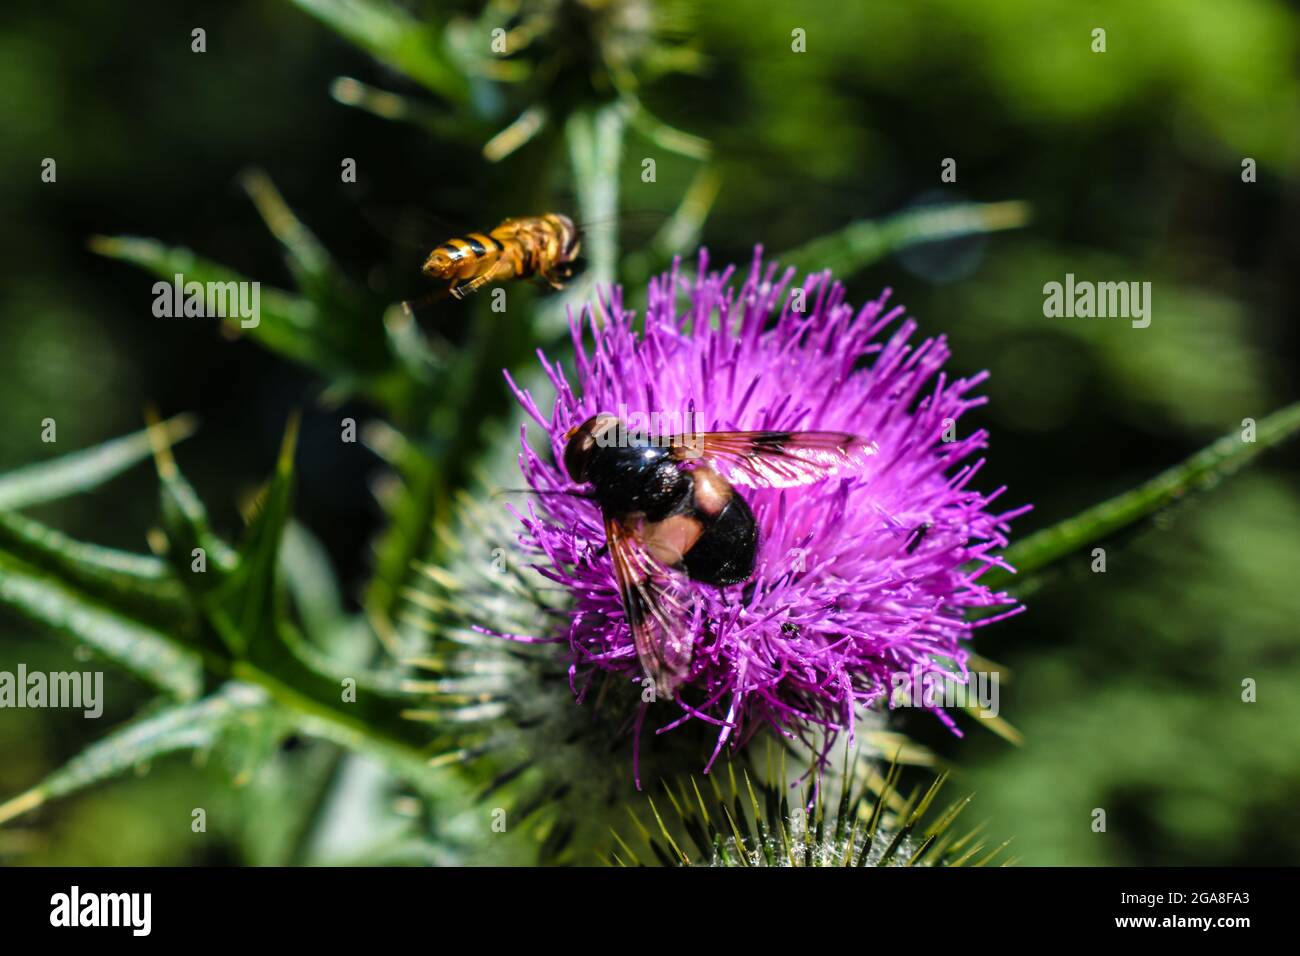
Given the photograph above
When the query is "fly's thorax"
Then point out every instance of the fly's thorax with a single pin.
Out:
(567, 244)
(631, 472)
(633, 479)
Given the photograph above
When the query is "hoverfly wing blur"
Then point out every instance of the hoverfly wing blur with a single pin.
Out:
(776, 459)
(659, 638)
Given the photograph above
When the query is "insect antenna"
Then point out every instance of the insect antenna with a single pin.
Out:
(587, 495)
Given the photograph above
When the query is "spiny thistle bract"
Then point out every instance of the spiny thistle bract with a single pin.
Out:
(857, 578)
(503, 711)
(839, 821)
(563, 56)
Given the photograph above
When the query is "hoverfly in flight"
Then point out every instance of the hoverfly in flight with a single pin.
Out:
(663, 515)
(546, 246)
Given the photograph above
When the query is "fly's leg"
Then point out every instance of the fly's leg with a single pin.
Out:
(550, 280)
(475, 284)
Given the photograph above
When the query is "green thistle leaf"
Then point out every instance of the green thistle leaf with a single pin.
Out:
(244, 607)
(288, 324)
(194, 726)
(393, 37)
(120, 578)
(86, 469)
(185, 521)
(310, 580)
(313, 268)
(859, 244)
(136, 610)
(143, 650)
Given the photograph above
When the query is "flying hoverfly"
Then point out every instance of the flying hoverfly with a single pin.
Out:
(667, 508)
(546, 246)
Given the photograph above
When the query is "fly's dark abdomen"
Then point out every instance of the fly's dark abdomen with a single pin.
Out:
(725, 552)
(645, 480)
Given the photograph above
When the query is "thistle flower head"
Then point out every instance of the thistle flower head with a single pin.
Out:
(858, 578)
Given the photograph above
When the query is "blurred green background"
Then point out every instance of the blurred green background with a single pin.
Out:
(1126, 685)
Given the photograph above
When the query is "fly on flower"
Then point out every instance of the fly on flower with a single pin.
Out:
(724, 565)
(663, 516)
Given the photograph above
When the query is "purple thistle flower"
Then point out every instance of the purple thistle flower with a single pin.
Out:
(857, 578)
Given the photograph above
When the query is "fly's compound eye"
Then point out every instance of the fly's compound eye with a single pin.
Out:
(580, 441)
(576, 453)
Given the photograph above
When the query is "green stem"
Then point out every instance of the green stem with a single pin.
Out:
(1201, 470)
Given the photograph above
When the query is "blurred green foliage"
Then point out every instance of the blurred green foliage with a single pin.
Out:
(1126, 685)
